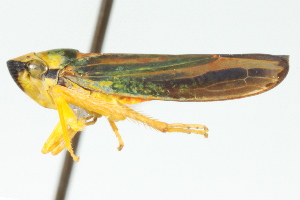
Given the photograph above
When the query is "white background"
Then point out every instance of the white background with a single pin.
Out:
(253, 149)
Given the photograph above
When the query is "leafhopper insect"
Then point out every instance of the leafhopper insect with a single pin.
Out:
(84, 87)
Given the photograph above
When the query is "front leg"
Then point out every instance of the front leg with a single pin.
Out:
(65, 130)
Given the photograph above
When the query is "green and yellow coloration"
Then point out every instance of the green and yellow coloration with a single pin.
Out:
(84, 87)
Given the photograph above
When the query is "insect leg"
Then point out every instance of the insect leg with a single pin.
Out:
(53, 140)
(62, 108)
(55, 143)
(60, 145)
(164, 127)
(187, 128)
(91, 122)
(115, 129)
(89, 103)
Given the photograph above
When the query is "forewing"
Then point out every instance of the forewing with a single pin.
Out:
(178, 77)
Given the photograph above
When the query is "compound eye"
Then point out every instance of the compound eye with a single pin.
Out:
(36, 68)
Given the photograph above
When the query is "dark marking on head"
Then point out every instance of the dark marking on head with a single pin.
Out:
(52, 73)
(15, 67)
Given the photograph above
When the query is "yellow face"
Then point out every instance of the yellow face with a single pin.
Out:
(36, 73)
(29, 72)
